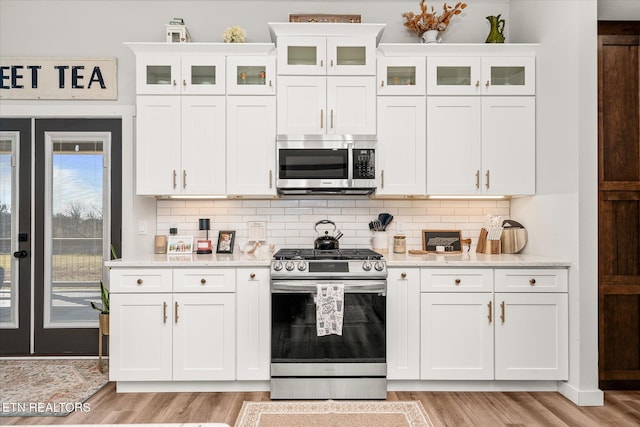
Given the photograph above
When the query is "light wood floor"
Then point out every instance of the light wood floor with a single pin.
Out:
(445, 409)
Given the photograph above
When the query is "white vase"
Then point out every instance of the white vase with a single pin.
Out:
(431, 36)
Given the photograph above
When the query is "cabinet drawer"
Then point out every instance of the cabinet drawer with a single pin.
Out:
(531, 280)
(204, 280)
(140, 280)
(454, 280)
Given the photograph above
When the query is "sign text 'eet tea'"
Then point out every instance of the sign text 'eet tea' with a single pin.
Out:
(58, 78)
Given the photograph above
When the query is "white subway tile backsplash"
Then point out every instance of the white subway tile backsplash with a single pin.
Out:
(290, 223)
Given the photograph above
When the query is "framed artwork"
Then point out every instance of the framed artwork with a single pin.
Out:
(321, 17)
(180, 244)
(442, 241)
(225, 242)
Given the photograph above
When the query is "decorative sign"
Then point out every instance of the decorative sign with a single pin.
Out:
(58, 78)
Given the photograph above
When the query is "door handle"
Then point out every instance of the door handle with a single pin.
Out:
(20, 254)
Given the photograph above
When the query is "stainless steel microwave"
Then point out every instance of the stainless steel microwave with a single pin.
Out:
(326, 164)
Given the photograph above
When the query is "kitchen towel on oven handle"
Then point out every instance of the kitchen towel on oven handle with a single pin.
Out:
(329, 309)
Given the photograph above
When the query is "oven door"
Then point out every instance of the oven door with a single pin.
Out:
(296, 348)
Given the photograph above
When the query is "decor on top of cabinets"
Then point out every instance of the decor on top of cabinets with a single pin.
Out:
(496, 32)
(234, 34)
(429, 23)
(323, 17)
(225, 242)
(176, 31)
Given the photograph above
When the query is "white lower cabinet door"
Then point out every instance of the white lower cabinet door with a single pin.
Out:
(253, 315)
(532, 336)
(141, 337)
(403, 324)
(456, 336)
(203, 336)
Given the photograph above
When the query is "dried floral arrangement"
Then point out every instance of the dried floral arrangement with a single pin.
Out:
(235, 34)
(430, 20)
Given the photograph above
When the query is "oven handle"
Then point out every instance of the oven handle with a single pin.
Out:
(310, 286)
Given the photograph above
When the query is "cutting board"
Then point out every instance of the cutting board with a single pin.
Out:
(513, 240)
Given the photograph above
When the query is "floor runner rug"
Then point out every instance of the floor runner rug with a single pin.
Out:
(333, 413)
(48, 387)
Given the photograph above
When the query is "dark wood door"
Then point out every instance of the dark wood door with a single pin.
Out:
(619, 204)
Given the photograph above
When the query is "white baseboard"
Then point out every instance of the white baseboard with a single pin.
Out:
(581, 397)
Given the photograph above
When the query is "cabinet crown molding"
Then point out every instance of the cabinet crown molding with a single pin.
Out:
(201, 48)
(458, 49)
(277, 29)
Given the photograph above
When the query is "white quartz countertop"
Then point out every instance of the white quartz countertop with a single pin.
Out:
(466, 259)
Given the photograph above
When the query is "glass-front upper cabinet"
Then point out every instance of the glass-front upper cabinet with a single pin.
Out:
(481, 76)
(251, 75)
(306, 55)
(178, 74)
(401, 75)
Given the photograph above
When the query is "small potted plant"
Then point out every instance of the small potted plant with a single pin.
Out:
(427, 24)
(103, 317)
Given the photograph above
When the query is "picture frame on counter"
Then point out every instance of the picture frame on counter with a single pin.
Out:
(179, 244)
(442, 241)
(226, 238)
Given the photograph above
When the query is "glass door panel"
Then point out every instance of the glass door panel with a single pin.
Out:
(401, 76)
(509, 75)
(351, 55)
(302, 55)
(203, 75)
(8, 227)
(453, 76)
(251, 75)
(75, 228)
(158, 75)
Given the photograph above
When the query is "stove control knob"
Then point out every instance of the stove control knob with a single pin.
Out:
(302, 266)
(289, 266)
(277, 266)
(379, 265)
(366, 266)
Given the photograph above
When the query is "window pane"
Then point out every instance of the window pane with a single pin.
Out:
(8, 215)
(77, 246)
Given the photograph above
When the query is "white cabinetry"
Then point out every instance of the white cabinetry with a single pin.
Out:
(164, 335)
(174, 74)
(403, 324)
(401, 75)
(253, 315)
(469, 330)
(480, 145)
(251, 75)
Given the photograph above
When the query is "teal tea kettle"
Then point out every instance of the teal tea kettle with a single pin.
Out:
(497, 27)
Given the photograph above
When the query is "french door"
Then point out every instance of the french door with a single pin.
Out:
(65, 208)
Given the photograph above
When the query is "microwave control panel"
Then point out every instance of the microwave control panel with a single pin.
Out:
(364, 161)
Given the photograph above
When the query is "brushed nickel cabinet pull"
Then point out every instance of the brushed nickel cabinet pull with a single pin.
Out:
(174, 83)
(139, 281)
(382, 83)
(203, 281)
(270, 178)
(164, 312)
(270, 84)
(457, 281)
(382, 178)
(252, 275)
(332, 118)
(477, 179)
(331, 63)
(532, 281)
(490, 316)
(502, 312)
(488, 178)
(403, 275)
(322, 63)
(184, 82)
(477, 83)
(176, 311)
(184, 178)
(487, 84)
(175, 176)
(321, 118)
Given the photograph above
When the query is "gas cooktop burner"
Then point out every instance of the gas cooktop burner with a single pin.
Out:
(334, 254)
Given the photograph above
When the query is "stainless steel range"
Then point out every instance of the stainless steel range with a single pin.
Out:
(347, 363)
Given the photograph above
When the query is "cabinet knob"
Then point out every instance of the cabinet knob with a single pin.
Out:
(184, 82)
(174, 83)
(382, 83)
(403, 275)
(532, 282)
(457, 281)
(252, 275)
(203, 281)
(487, 84)
(477, 83)
(270, 84)
(139, 281)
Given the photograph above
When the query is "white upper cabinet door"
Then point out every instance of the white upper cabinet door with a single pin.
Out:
(251, 145)
(302, 105)
(351, 56)
(531, 336)
(453, 76)
(302, 55)
(509, 75)
(457, 336)
(204, 337)
(401, 75)
(158, 74)
(202, 75)
(251, 75)
(401, 145)
(158, 145)
(203, 145)
(508, 145)
(453, 145)
(351, 105)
